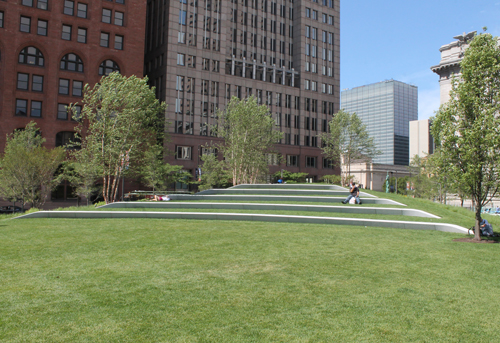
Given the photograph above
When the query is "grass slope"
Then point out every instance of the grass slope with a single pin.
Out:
(195, 281)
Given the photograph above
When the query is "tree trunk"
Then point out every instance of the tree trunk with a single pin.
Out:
(477, 231)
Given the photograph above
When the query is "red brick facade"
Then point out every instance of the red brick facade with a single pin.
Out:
(48, 33)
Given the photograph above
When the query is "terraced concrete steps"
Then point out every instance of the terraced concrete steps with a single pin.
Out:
(283, 198)
(275, 191)
(271, 207)
(289, 186)
(250, 217)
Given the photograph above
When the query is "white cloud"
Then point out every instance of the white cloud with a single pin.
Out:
(428, 102)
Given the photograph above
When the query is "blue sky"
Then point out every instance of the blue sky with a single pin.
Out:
(400, 40)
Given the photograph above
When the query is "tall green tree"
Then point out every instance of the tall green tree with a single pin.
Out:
(347, 141)
(27, 168)
(467, 127)
(157, 174)
(249, 133)
(119, 121)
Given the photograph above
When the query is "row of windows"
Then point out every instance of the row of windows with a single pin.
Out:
(71, 62)
(312, 32)
(313, 86)
(327, 19)
(66, 33)
(34, 109)
(186, 153)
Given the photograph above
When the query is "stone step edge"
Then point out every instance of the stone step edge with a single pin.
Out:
(444, 227)
(283, 207)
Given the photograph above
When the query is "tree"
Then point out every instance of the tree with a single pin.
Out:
(157, 174)
(249, 134)
(214, 173)
(347, 141)
(120, 120)
(27, 168)
(467, 127)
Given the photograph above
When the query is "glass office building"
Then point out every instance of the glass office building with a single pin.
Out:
(386, 108)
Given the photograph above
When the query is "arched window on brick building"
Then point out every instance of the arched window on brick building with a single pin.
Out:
(71, 62)
(31, 56)
(107, 67)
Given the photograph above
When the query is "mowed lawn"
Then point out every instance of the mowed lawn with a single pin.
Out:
(206, 281)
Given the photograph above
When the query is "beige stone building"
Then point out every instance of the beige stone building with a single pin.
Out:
(373, 175)
(421, 141)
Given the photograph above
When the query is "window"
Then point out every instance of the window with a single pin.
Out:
(182, 17)
(72, 62)
(37, 83)
(22, 81)
(62, 112)
(183, 152)
(42, 27)
(330, 20)
(107, 67)
(311, 162)
(76, 113)
(106, 16)
(325, 18)
(327, 164)
(69, 7)
(120, 1)
(25, 25)
(81, 10)
(42, 4)
(77, 88)
(315, 15)
(27, 3)
(181, 37)
(21, 107)
(292, 160)
(119, 18)
(308, 12)
(82, 35)
(36, 109)
(31, 56)
(63, 86)
(1, 19)
(104, 39)
(65, 138)
(180, 59)
(118, 42)
(66, 32)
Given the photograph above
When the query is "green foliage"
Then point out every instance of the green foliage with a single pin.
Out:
(333, 179)
(249, 133)
(347, 141)
(466, 128)
(157, 174)
(214, 174)
(120, 120)
(290, 177)
(27, 168)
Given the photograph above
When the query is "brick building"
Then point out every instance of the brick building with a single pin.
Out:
(286, 53)
(50, 49)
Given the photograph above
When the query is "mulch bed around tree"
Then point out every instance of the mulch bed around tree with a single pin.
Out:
(471, 240)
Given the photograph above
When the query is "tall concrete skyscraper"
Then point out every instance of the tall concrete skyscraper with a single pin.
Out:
(386, 108)
(285, 53)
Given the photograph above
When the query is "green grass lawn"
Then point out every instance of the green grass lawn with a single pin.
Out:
(139, 280)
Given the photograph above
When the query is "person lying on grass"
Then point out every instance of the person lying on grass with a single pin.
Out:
(161, 198)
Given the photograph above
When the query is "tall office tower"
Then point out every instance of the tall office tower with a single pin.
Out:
(386, 108)
(200, 53)
(50, 49)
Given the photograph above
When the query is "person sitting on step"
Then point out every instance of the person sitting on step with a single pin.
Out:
(354, 194)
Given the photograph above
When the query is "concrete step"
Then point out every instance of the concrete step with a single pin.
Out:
(265, 198)
(303, 192)
(249, 217)
(311, 186)
(270, 207)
